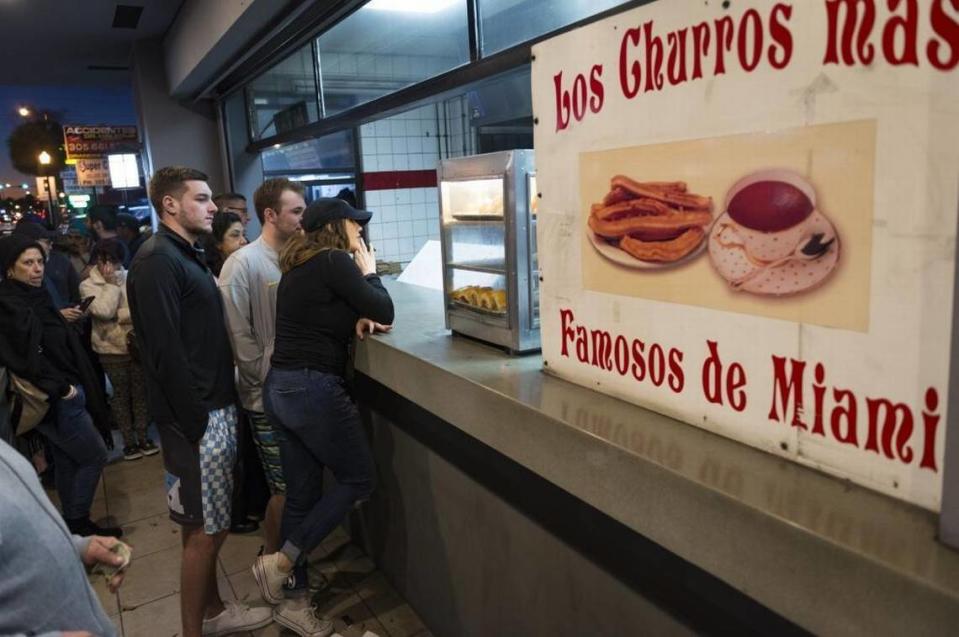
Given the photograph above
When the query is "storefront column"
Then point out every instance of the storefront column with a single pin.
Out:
(173, 133)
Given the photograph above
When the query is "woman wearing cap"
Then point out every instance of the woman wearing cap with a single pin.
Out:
(324, 298)
(37, 345)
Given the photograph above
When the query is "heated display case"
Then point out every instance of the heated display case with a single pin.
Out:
(490, 270)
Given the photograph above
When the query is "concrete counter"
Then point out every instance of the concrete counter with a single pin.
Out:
(831, 557)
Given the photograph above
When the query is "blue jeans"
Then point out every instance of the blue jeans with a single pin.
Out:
(319, 427)
(79, 454)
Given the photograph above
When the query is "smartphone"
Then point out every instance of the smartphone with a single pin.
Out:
(85, 303)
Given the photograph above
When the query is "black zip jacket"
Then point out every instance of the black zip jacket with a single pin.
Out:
(177, 316)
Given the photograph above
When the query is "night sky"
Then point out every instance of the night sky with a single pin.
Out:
(73, 105)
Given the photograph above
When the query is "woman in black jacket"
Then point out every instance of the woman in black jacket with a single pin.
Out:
(325, 297)
(37, 345)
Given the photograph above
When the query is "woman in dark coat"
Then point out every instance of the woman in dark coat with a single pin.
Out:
(38, 345)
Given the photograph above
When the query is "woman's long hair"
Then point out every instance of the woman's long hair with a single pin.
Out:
(303, 246)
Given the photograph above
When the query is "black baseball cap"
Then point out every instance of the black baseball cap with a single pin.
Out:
(31, 229)
(326, 209)
(126, 220)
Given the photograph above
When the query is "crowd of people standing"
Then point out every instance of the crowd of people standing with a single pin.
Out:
(207, 336)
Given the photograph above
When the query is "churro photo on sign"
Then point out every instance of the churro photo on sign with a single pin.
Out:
(649, 224)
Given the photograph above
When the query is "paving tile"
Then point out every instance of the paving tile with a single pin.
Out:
(351, 617)
(353, 564)
(389, 608)
(131, 506)
(151, 577)
(107, 599)
(149, 535)
(239, 551)
(132, 480)
(159, 618)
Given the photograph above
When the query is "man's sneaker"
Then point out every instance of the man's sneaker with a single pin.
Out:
(303, 621)
(269, 578)
(132, 452)
(147, 448)
(237, 618)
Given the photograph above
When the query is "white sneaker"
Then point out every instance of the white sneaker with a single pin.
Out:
(237, 618)
(269, 578)
(303, 621)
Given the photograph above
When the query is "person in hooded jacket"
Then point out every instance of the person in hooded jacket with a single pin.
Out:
(37, 344)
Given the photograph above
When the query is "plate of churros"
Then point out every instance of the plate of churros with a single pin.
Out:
(650, 224)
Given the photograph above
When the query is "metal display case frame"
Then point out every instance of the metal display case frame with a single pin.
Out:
(516, 330)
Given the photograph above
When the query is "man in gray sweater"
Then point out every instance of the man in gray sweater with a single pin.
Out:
(44, 590)
(248, 283)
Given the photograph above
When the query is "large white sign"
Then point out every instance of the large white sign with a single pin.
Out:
(748, 222)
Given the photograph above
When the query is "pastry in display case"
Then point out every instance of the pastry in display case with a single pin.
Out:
(490, 274)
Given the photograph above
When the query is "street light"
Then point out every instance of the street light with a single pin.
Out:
(23, 111)
(44, 158)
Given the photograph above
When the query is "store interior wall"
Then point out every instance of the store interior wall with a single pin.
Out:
(173, 133)
(404, 218)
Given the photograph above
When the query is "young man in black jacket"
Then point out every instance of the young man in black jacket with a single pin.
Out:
(178, 320)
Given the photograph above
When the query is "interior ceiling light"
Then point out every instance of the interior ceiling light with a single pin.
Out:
(411, 6)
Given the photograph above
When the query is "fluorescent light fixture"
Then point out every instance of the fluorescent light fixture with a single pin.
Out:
(411, 6)
(123, 170)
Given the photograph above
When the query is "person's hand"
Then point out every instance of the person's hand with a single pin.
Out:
(366, 326)
(71, 314)
(108, 270)
(365, 258)
(98, 552)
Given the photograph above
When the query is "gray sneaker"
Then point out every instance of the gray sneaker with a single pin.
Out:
(269, 578)
(303, 621)
(237, 618)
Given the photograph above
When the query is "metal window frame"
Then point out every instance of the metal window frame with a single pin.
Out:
(480, 67)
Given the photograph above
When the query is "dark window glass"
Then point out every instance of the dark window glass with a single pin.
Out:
(330, 152)
(388, 45)
(284, 98)
(505, 23)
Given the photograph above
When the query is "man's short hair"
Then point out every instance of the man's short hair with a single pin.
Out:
(106, 214)
(171, 180)
(269, 193)
(221, 199)
(128, 221)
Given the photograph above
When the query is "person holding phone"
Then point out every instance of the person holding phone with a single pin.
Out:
(328, 293)
(106, 296)
(38, 345)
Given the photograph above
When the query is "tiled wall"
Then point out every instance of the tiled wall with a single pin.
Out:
(403, 219)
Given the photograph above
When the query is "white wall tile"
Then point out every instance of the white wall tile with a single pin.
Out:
(401, 162)
(370, 163)
(384, 146)
(397, 127)
(389, 249)
(398, 145)
(420, 227)
(387, 213)
(386, 161)
(403, 196)
(404, 212)
(389, 230)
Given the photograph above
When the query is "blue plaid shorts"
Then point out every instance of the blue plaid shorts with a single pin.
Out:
(199, 476)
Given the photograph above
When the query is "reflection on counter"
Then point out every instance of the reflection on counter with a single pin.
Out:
(822, 505)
